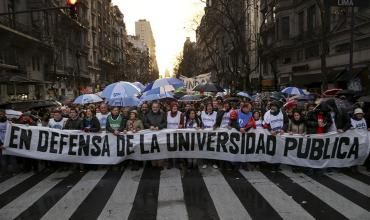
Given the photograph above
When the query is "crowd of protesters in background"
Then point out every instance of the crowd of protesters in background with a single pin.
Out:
(277, 114)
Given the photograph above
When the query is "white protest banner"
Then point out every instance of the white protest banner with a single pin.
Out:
(191, 83)
(316, 151)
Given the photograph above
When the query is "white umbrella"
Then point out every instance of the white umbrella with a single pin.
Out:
(87, 99)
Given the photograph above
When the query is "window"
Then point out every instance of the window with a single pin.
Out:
(365, 43)
(301, 22)
(287, 60)
(340, 48)
(312, 51)
(285, 28)
(311, 18)
(299, 55)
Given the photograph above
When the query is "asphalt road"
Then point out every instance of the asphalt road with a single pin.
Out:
(175, 195)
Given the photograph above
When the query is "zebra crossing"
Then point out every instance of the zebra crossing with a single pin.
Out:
(173, 194)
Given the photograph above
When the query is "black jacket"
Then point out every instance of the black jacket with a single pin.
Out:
(158, 119)
(76, 124)
(95, 124)
(219, 117)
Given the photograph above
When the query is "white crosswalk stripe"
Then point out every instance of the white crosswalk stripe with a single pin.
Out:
(351, 182)
(6, 185)
(339, 203)
(171, 199)
(120, 203)
(70, 202)
(281, 202)
(221, 194)
(20, 204)
(171, 204)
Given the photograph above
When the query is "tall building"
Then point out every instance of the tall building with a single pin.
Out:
(144, 31)
(45, 53)
(49, 54)
(292, 46)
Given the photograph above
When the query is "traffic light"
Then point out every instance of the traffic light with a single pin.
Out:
(73, 10)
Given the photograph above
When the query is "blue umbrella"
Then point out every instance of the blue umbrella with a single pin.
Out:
(124, 102)
(139, 85)
(176, 83)
(244, 94)
(294, 91)
(87, 99)
(120, 90)
(156, 94)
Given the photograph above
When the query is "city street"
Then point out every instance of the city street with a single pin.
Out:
(185, 109)
(199, 194)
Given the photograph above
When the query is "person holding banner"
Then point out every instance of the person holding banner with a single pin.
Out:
(175, 120)
(74, 122)
(242, 120)
(297, 124)
(115, 122)
(134, 124)
(275, 119)
(340, 118)
(144, 109)
(358, 121)
(90, 122)
(223, 117)
(208, 118)
(57, 121)
(257, 118)
(192, 121)
(319, 120)
(156, 120)
(103, 116)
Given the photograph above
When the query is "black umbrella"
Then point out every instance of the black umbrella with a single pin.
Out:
(190, 98)
(208, 87)
(364, 99)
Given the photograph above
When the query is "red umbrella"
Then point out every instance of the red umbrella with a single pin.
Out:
(331, 92)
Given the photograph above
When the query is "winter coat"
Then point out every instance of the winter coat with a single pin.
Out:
(158, 119)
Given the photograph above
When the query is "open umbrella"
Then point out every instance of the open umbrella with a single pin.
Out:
(120, 90)
(208, 87)
(124, 102)
(87, 99)
(293, 91)
(156, 94)
(174, 82)
(190, 98)
(139, 85)
(244, 94)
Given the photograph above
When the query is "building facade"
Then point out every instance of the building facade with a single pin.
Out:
(292, 45)
(49, 54)
(144, 31)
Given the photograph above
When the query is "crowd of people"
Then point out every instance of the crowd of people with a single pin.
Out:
(276, 114)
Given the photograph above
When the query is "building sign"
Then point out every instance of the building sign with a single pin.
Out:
(349, 3)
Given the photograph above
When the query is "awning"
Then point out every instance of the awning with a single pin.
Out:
(345, 76)
(17, 79)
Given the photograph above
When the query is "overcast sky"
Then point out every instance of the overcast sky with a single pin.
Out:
(171, 21)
